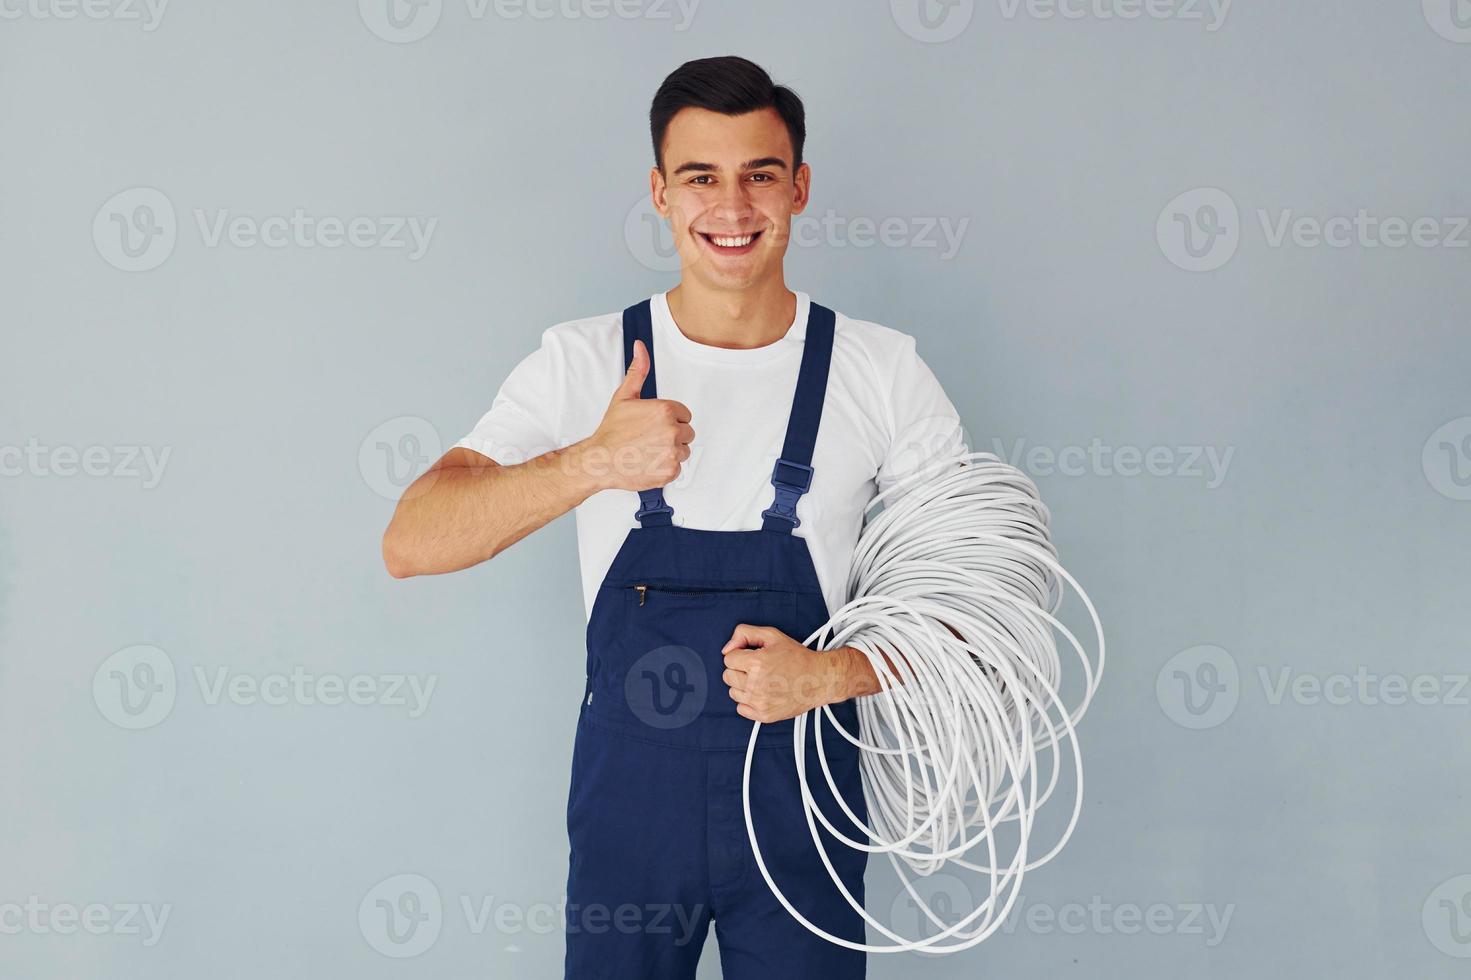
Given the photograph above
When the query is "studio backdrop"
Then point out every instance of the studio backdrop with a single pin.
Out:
(1200, 268)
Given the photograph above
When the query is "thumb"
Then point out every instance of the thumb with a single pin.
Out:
(633, 380)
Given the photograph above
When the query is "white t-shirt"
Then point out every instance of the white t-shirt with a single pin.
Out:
(884, 415)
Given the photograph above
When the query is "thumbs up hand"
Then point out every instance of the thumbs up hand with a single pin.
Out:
(643, 440)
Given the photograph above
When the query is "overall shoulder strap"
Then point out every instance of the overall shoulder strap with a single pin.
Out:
(638, 325)
(792, 475)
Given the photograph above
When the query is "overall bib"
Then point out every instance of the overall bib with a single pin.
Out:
(654, 816)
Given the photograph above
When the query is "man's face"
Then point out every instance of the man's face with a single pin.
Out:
(729, 193)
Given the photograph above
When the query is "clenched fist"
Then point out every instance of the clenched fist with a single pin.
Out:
(641, 442)
(771, 677)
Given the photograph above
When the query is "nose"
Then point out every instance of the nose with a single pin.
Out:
(733, 202)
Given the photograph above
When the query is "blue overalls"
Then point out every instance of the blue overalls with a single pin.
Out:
(654, 815)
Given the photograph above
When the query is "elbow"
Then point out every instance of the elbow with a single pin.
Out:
(407, 553)
(402, 559)
(396, 558)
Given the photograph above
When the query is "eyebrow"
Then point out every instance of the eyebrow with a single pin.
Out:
(755, 164)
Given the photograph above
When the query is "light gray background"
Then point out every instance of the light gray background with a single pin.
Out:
(1336, 542)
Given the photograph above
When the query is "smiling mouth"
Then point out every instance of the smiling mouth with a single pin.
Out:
(731, 244)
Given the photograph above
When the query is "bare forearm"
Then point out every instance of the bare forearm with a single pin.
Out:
(455, 516)
(857, 676)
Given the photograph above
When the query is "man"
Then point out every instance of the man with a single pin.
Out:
(719, 493)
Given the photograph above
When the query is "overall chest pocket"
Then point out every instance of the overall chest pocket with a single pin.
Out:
(690, 592)
(658, 653)
(705, 611)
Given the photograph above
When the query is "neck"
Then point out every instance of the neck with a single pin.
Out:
(739, 320)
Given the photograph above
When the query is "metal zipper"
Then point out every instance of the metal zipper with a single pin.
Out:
(644, 590)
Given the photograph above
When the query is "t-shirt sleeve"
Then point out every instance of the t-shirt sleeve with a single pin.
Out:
(923, 423)
(524, 421)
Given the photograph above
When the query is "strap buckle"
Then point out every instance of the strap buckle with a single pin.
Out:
(791, 481)
(652, 504)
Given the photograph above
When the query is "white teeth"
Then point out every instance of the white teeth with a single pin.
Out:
(732, 242)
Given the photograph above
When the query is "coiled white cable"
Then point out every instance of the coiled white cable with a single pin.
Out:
(958, 579)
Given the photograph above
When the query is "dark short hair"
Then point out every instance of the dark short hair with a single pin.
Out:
(729, 85)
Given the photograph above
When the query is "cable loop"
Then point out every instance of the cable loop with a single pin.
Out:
(959, 577)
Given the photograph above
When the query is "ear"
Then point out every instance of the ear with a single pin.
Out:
(658, 193)
(802, 188)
